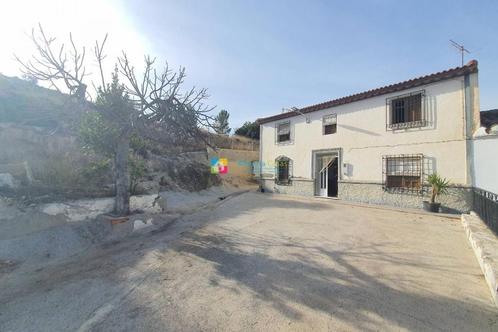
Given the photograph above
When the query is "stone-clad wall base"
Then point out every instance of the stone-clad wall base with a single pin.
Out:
(458, 199)
(297, 187)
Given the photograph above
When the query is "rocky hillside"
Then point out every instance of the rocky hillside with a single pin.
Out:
(24, 102)
(42, 166)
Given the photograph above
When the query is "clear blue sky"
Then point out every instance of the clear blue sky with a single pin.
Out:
(259, 56)
(256, 57)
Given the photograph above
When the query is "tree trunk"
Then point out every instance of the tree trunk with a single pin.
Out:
(122, 177)
(434, 194)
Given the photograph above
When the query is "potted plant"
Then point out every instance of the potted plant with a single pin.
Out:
(439, 186)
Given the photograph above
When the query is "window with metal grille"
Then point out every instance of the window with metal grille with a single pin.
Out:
(406, 111)
(403, 172)
(283, 132)
(283, 170)
(329, 124)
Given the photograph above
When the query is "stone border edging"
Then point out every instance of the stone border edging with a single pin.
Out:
(485, 245)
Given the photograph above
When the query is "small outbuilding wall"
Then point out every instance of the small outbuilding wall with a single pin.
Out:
(485, 159)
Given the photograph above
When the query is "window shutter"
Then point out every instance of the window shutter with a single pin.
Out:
(284, 128)
(330, 119)
(283, 132)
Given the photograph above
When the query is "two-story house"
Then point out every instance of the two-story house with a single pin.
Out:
(380, 145)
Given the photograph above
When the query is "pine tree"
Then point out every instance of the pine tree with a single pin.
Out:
(221, 125)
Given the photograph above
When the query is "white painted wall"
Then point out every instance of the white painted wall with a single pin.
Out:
(486, 162)
(362, 135)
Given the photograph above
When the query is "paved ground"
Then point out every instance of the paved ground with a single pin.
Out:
(261, 262)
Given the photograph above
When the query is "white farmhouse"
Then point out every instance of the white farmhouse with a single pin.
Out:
(378, 146)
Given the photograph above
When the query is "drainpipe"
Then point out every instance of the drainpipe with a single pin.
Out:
(261, 155)
(468, 127)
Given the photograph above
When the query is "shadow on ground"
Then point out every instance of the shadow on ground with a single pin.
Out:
(324, 280)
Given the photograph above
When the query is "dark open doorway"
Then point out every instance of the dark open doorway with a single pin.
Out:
(332, 179)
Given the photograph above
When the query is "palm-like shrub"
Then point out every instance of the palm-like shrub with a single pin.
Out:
(439, 185)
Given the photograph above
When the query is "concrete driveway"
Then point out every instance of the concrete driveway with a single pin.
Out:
(262, 262)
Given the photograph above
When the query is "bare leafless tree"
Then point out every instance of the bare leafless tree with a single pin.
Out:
(55, 63)
(161, 103)
(159, 108)
(98, 51)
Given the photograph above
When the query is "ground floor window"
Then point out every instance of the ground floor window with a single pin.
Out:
(403, 172)
(283, 169)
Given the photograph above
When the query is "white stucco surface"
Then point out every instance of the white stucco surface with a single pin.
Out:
(486, 162)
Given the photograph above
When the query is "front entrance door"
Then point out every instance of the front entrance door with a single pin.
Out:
(327, 176)
(333, 177)
(323, 175)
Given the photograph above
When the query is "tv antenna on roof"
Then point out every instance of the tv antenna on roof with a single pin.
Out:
(295, 109)
(460, 48)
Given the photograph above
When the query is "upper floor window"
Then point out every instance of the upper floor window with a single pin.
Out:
(329, 124)
(403, 172)
(283, 132)
(406, 111)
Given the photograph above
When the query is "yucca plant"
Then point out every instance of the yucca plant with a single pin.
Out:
(439, 186)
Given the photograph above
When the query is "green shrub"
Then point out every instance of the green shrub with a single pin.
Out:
(439, 186)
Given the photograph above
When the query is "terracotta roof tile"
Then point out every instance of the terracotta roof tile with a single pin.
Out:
(470, 67)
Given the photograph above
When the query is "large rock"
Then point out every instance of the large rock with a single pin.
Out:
(7, 181)
(88, 209)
